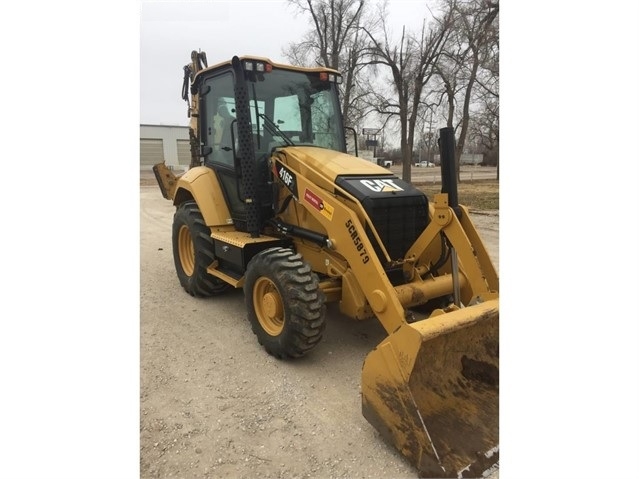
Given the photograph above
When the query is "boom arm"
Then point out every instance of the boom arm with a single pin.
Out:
(347, 237)
(431, 387)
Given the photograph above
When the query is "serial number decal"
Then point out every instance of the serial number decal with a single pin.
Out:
(319, 204)
(352, 231)
(287, 177)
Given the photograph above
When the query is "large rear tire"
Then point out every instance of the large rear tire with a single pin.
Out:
(285, 304)
(194, 251)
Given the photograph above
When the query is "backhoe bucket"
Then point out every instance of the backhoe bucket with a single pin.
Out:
(431, 388)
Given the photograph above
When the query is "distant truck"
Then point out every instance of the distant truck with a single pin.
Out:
(425, 164)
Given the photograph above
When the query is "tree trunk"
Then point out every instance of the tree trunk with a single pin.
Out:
(407, 153)
(466, 112)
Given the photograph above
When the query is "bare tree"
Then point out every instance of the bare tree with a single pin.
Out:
(411, 63)
(484, 131)
(475, 46)
(335, 42)
(487, 121)
(427, 136)
(354, 89)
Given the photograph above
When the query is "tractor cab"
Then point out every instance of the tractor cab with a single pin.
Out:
(249, 109)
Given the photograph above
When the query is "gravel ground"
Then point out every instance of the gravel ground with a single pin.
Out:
(214, 404)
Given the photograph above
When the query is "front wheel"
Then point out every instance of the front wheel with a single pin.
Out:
(285, 304)
(193, 252)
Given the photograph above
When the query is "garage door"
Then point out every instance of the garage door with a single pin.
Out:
(151, 152)
(184, 152)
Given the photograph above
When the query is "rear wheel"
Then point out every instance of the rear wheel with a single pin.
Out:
(193, 252)
(285, 304)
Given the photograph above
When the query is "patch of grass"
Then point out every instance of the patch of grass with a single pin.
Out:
(477, 195)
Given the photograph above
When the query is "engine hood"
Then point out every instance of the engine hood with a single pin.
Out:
(331, 164)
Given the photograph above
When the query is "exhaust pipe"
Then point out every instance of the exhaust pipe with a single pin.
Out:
(449, 185)
(448, 167)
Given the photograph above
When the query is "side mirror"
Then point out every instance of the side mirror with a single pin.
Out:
(205, 151)
(354, 139)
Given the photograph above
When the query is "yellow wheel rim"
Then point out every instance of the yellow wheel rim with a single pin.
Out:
(186, 250)
(269, 307)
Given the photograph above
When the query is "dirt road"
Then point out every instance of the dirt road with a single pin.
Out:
(214, 404)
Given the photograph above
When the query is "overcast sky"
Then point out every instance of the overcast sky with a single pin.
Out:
(70, 339)
(169, 31)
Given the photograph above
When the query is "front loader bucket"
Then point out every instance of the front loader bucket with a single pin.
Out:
(431, 388)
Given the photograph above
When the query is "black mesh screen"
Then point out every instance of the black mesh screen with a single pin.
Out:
(245, 150)
(398, 221)
(398, 210)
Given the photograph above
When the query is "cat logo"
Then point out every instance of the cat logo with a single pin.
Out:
(381, 186)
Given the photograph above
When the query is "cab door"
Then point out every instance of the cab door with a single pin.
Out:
(217, 117)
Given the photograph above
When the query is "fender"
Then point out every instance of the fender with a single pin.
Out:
(201, 185)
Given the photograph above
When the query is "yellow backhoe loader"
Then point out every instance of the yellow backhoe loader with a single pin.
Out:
(273, 204)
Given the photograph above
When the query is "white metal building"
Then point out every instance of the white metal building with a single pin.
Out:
(168, 143)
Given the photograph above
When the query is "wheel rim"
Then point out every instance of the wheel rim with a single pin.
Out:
(186, 250)
(269, 307)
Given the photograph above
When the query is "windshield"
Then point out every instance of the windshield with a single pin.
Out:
(294, 108)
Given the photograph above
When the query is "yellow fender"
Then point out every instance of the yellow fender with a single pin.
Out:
(201, 185)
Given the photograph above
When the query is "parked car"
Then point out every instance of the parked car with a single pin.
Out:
(425, 164)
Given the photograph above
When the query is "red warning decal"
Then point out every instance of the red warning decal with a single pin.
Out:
(319, 204)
